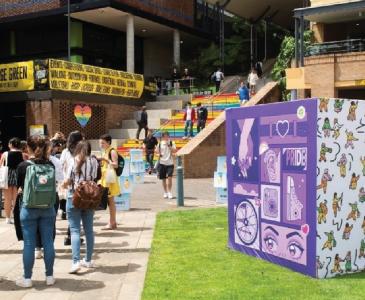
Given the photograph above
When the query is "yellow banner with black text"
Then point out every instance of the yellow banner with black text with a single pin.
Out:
(74, 77)
(16, 77)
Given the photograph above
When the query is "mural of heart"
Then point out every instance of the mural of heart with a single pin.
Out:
(82, 114)
(282, 128)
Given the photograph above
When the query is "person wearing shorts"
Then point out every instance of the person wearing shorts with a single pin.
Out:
(166, 150)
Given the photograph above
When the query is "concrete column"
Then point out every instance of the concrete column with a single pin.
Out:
(130, 43)
(177, 48)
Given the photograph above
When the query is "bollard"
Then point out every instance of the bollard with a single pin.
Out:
(180, 182)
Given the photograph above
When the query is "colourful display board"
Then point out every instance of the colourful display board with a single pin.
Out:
(296, 184)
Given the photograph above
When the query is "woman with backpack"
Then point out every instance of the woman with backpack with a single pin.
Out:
(11, 159)
(109, 163)
(37, 184)
(83, 169)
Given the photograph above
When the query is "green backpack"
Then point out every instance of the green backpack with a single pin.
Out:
(39, 186)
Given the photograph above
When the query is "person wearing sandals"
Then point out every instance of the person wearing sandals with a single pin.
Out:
(11, 159)
(109, 158)
(82, 167)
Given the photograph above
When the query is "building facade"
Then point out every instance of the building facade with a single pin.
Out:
(144, 37)
(333, 66)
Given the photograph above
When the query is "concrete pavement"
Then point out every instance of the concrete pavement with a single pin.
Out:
(121, 255)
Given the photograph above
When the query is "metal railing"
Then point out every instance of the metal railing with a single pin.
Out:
(175, 86)
(354, 45)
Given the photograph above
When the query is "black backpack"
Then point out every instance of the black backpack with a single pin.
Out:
(120, 168)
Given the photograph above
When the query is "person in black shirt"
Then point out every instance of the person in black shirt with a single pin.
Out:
(202, 113)
(142, 121)
(149, 144)
(11, 159)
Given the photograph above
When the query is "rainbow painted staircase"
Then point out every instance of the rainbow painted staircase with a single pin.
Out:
(175, 124)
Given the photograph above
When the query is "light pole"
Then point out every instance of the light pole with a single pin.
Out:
(68, 31)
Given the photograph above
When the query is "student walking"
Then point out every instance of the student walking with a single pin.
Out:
(37, 184)
(109, 162)
(252, 80)
(167, 150)
(11, 159)
(243, 93)
(142, 122)
(189, 118)
(82, 168)
(218, 78)
(149, 145)
(202, 114)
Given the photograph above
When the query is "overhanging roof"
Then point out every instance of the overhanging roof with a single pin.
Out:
(333, 13)
(280, 11)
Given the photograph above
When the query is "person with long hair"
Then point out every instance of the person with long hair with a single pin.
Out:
(83, 167)
(11, 159)
(33, 219)
(66, 157)
(109, 159)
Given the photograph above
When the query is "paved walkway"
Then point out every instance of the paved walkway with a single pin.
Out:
(121, 255)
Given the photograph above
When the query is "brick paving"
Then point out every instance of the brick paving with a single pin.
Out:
(121, 255)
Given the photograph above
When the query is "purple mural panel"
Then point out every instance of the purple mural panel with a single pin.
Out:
(271, 185)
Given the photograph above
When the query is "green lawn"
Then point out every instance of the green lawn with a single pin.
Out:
(190, 260)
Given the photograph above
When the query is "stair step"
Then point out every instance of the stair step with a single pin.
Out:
(173, 104)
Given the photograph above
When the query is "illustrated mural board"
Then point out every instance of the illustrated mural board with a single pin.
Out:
(296, 184)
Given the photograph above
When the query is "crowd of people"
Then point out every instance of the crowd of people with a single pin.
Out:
(41, 176)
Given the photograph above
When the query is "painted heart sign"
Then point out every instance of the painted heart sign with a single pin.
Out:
(82, 114)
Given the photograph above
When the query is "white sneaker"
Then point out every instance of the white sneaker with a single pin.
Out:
(169, 195)
(87, 264)
(75, 268)
(24, 283)
(38, 253)
(50, 280)
(165, 195)
(9, 221)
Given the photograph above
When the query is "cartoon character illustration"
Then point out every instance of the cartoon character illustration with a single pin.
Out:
(362, 160)
(336, 128)
(354, 213)
(362, 195)
(352, 111)
(324, 181)
(362, 249)
(347, 261)
(342, 164)
(363, 225)
(350, 139)
(347, 231)
(336, 264)
(331, 242)
(326, 128)
(323, 104)
(338, 105)
(319, 264)
(336, 203)
(323, 151)
(353, 181)
(322, 212)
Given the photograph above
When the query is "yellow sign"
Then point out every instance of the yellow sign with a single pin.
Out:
(74, 77)
(16, 77)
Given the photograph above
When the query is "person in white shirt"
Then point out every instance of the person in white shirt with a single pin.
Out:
(218, 78)
(166, 150)
(252, 80)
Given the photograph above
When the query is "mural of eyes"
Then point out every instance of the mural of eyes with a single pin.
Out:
(271, 244)
(295, 250)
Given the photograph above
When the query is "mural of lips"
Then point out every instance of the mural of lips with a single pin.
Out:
(82, 114)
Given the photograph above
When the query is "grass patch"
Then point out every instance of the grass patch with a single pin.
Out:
(190, 260)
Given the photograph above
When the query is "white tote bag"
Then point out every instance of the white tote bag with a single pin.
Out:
(4, 170)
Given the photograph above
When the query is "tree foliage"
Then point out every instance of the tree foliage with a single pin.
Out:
(284, 59)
